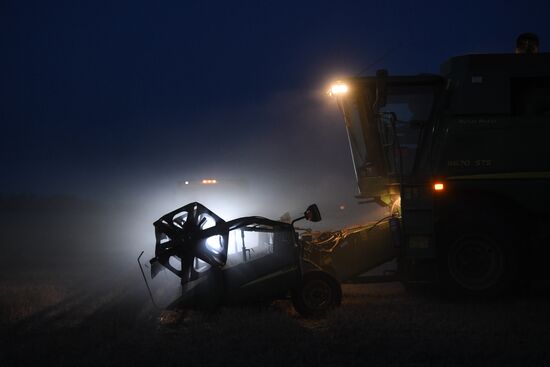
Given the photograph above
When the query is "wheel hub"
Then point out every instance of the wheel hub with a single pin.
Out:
(317, 295)
(476, 263)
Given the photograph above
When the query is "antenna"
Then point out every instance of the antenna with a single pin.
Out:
(378, 60)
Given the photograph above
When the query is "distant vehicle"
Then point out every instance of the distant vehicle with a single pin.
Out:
(462, 159)
(249, 259)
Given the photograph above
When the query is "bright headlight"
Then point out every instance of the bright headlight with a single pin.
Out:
(338, 88)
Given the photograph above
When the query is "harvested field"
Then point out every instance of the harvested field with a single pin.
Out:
(377, 324)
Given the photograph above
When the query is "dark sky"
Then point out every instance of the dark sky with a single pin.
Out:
(127, 98)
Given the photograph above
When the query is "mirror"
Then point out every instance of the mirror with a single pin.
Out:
(312, 213)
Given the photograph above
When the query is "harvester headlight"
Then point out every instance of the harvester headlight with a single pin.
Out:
(338, 89)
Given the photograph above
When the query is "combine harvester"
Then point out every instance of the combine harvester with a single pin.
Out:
(462, 162)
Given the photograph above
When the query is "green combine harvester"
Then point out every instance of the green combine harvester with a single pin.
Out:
(461, 160)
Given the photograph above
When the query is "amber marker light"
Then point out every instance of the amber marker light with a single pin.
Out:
(438, 186)
(209, 181)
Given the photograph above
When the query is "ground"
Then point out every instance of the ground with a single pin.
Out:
(66, 323)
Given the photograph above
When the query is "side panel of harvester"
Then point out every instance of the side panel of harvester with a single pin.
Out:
(490, 150)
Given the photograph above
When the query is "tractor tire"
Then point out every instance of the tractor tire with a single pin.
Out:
(479, 263)
(317, 294)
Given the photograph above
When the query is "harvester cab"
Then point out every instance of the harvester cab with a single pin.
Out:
(384, 118)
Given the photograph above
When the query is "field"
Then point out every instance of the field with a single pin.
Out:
(63, 304)
(90, 323)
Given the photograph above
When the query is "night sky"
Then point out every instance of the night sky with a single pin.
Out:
(124, 100)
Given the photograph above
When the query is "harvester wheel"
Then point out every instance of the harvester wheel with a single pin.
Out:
(479, 265)
(317, 294)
